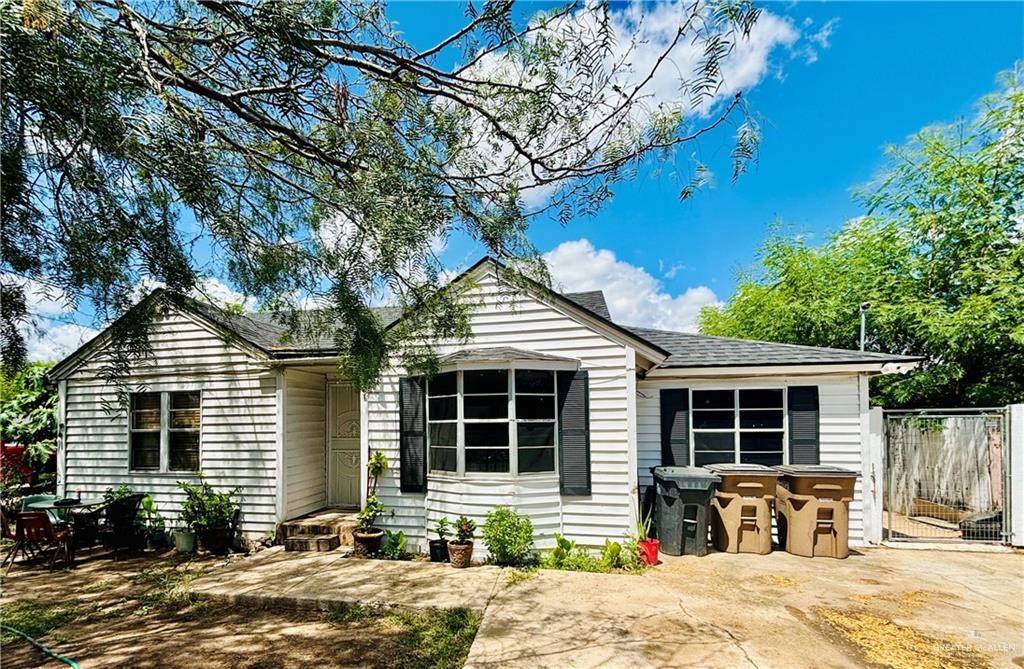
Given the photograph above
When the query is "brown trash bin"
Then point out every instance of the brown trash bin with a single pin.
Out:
(741, 510)
(813, 509)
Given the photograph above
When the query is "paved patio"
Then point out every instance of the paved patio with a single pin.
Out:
(881, 607)
(320, 580)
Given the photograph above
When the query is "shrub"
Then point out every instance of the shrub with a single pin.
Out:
(443, 528)
(508, 536)
(567, 556)
(205, 508)
(394, 546)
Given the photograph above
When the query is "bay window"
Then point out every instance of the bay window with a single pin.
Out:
(164, 431)
(491, 421)
(742, 425)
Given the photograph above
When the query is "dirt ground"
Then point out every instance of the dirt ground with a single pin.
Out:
(135, 614)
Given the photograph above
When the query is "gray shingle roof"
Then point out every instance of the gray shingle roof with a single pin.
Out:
(685, 349)
(592, 300)
(694, 350)
(499, 353)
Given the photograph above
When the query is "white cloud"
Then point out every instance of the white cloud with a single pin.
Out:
(819, 39)
(634, 296)
(210, 289)
(41, 299)
(53, 341)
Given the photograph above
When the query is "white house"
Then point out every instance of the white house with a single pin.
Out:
(551, 408)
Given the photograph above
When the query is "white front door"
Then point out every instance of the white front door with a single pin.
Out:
(343, 459)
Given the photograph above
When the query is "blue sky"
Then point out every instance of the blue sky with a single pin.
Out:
(842, 81)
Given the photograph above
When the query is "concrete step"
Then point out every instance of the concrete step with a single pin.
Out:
(328, 522)
(312, 542)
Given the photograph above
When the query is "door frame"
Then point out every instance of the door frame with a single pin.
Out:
(328, 464)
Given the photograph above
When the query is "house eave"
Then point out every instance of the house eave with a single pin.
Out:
(784, 369)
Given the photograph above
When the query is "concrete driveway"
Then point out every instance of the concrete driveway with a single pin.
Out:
(886, 607)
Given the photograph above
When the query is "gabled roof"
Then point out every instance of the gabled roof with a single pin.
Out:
(679, 349)
(695, 350)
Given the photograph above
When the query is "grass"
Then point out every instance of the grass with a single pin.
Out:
(36, 618)
(430, 639)
(517, 576)
(168, 587)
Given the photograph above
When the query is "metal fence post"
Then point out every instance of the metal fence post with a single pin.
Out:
(1015, 482)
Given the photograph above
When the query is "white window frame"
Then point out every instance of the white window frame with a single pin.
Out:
(736, 430)
(511, 420)
(165, 431)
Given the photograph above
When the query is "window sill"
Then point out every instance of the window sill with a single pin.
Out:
(155, 472)
(539, 477)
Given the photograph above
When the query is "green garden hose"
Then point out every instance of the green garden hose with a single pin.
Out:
(69, 662)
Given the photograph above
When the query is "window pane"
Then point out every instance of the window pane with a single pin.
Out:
(443, 434)
(535, 406)
(713, 399)
(145, 450)
(536, 460)
(185, 400)
(714, 420)
(534, 381)
(536, 434)
(485, 381)
(714, 441)
(485, 406)
(760, 399)
(146, 411)
(701, 458)
(442, 384)
(487, 460)
(443, 459)
(442, 408)
(768, 459)
(184, 451)
(761, 441)
(759, 419)
(486, 434)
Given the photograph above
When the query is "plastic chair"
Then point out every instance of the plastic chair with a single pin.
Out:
(32, 499)
(33, 532)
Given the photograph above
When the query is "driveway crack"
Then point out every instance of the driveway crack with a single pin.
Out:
(736, 642)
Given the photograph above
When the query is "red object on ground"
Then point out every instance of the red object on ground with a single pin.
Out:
(12, 456)
(649, 551)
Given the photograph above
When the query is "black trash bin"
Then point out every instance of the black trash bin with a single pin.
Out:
(682, 508)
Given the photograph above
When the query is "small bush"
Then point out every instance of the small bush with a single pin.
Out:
(567, 556)
(394, 546)
(508, 536)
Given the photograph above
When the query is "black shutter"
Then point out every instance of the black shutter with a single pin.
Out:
(675, 427)
(574, 432)
(413, 436)
(803, 425)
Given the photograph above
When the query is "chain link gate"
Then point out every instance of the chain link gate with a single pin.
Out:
(947, 475)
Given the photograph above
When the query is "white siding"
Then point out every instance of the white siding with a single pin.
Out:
(305, 459)
(238, 421)
(525, 323)
(841, 424)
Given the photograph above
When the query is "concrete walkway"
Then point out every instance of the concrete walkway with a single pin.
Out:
(885, 607)
(320, 580)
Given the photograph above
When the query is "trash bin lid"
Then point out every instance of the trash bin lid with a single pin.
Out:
(686, 477)
(740, 468)
(815, 470)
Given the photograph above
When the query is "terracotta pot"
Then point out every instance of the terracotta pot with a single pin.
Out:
(460, 554)
(368, 542)
(438, 550)
(649, 551)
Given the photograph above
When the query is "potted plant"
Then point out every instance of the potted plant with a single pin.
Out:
(439, 546)
(376, 467)
(648, 546)
(211, 514)
(365, 537)
(460, 550)
(154, 523)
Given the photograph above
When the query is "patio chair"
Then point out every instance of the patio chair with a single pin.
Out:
(85, 528)
(33, 533)
(119, 527)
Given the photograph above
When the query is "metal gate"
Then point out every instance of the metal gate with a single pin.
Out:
(947, 475)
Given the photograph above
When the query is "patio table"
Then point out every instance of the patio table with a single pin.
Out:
(64, 512)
